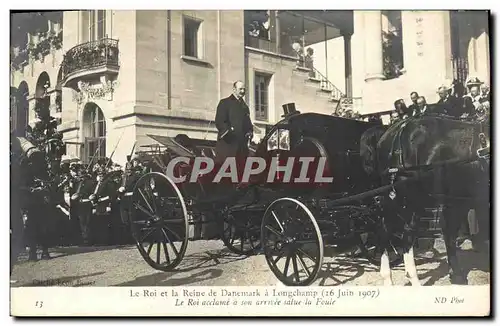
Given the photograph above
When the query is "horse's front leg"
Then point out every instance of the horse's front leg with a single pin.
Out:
(410, 267)
(451, 222)
(385, 268)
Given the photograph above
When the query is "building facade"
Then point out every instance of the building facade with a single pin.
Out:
(112, 76)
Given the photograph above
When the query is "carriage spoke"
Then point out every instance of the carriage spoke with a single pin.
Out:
(144, 210)
(295, 268)
(277, 221)
(287, 263)
(151, 195)
(273, 230)
(147, 234)
(158, 253)
(303, 265)
(305, 254)
(146, 201)
(275, 261)
(150, 248)
(170, 242)
(167, 257)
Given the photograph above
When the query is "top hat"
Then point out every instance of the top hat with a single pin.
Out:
(474, 81)
(289, 109)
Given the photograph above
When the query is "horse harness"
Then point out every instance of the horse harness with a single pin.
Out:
(482, 156)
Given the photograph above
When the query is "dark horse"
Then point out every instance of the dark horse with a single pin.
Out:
(433, 160)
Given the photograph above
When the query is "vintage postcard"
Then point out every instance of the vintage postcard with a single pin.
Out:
(250, 163)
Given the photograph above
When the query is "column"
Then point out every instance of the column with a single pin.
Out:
(31, 109)
(348, 65)
(277, 31)
(374, 68)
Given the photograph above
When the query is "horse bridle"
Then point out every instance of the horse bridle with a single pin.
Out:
(482, 155)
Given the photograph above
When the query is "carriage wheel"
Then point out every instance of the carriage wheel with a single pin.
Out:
(291, 236)
(241, 236)
(158, 218)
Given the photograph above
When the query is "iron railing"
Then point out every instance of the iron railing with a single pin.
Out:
(325, 84)
(94, 54)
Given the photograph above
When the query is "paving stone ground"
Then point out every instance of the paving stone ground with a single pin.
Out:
(209, 263)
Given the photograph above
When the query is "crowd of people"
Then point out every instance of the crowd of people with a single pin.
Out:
(472, 101)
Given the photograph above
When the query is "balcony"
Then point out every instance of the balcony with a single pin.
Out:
(95, 58)
(19, 58)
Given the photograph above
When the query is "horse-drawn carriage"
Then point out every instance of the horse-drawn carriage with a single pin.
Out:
(292, 223)
(162, 212)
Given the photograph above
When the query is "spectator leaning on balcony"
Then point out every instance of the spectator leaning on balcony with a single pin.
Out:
(309, 62)
(234, 126)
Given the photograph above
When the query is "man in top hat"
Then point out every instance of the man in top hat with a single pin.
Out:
(472, 101)
(234, 126)
(289, 110)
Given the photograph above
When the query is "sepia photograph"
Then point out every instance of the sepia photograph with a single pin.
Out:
(266, 160)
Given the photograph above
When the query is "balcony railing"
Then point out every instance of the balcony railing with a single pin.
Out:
(102, 53)
(325, 84)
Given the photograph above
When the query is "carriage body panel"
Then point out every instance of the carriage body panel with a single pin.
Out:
(338, 138)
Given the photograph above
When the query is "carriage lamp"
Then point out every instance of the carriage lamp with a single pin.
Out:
(284, 139)
(272, 142)
(280, 139)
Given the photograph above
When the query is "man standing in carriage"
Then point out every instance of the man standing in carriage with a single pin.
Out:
(234, 126)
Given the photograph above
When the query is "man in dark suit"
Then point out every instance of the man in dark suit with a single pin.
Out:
(426, 109)
(447, 103)
(413, 108)
(234, 126)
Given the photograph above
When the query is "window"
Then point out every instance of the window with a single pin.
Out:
(192, 38)
(95, 133)
(261, 86)
(97, 25)
(258, 23)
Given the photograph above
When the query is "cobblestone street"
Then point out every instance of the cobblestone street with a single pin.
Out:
(209, 263)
